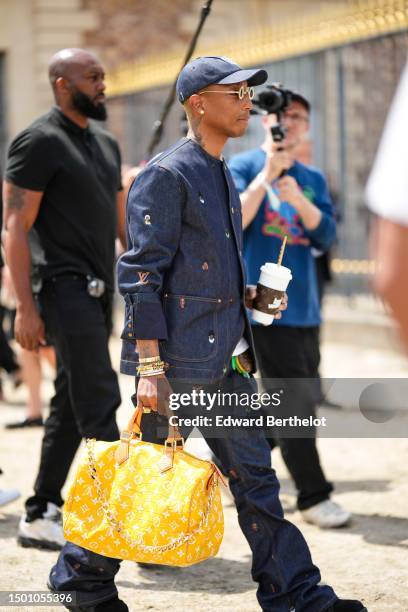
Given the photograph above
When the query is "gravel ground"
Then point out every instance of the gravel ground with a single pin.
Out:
(368, 560)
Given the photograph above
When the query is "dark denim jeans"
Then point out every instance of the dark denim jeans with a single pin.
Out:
(282, 565)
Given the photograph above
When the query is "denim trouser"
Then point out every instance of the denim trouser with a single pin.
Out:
(282, 565)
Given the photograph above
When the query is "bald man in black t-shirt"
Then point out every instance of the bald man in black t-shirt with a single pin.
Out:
(63, 210)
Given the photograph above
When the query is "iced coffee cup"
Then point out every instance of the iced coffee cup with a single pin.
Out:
(271, 287)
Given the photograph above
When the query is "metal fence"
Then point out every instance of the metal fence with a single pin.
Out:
(350, 89)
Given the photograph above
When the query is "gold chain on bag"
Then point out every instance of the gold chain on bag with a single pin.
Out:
(114, 522)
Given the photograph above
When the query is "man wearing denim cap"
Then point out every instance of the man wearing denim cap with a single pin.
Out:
(183, 282)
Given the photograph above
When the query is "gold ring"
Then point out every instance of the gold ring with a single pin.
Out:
(146, 410)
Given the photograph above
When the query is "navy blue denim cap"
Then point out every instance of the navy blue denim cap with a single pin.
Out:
(205, 71)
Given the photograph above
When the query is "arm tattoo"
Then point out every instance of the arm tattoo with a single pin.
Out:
(194, 132)
(15, 199)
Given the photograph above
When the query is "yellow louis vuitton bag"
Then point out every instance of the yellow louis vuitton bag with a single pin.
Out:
(145, 502)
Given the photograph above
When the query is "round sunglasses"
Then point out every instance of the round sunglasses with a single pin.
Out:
(241, 93)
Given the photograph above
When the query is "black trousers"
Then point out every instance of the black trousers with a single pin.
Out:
(8, 360)
(293, 353)
(86, 387)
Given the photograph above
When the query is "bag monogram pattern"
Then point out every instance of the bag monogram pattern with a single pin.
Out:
(135, 511)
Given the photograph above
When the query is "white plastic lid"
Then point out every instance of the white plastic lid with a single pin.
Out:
(273, 268)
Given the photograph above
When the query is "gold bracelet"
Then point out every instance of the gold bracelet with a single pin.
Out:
(150, 373)
(149, 359)
(147, 365)
(146, 370)
(156, 365)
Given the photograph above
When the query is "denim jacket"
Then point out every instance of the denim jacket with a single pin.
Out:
(176, 277)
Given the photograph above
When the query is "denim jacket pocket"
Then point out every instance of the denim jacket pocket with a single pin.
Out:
(193, 327)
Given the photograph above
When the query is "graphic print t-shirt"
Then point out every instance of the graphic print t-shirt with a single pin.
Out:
(263, 237)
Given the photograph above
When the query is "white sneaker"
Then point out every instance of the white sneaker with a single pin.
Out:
(326, 514)
(8, 495)
(45, 532)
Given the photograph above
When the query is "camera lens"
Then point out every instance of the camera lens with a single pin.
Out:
(272, 100)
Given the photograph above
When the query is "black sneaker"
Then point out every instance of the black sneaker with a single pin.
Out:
(37, 422)
(347, 605)
(112, 605)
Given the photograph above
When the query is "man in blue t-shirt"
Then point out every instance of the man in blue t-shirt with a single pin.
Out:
(297, 205)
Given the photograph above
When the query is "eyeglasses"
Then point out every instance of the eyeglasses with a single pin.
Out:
(241, 93)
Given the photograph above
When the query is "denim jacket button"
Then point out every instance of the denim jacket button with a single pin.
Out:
(227, 233)
(205, 266)
(232, 209)
(211, 337)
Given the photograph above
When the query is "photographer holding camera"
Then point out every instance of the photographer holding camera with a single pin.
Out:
(282, 197)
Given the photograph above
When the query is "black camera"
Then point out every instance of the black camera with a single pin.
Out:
(274, 100)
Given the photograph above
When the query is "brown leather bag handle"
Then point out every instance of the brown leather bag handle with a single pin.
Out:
(133, 430)
(136, 418)
(135, 425)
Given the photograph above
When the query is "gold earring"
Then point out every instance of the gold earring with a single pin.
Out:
(201, 112)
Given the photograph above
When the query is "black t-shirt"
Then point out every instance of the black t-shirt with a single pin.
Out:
(79, 172)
